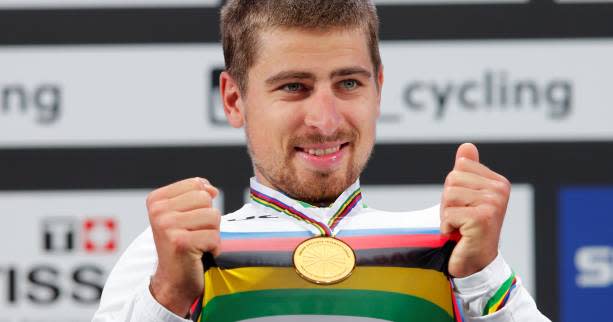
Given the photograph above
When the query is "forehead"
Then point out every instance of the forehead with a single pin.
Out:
(311, 50)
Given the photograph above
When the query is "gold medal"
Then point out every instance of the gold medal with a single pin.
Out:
(324, 260)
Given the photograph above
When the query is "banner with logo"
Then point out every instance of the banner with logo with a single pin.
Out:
(434, 92)
(586, 253)
(58, 248)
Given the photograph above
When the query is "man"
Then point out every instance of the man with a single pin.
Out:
(304, 79)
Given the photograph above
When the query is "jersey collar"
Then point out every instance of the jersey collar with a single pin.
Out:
(325, 221)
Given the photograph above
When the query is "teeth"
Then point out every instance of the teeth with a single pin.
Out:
(320, 152)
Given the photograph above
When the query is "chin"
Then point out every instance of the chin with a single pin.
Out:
(314, 186)
(320, 187)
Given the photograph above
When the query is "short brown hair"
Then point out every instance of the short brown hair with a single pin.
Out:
(241, 20)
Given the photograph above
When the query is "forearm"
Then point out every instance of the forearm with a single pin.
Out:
(140, 307)
(126, 296)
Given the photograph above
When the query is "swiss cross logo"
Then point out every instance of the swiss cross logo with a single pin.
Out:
(99, 235)
(93, 235)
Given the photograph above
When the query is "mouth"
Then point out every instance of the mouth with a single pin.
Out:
(322, 149)
(322, 157)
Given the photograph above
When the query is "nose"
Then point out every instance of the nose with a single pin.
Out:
(322, 113)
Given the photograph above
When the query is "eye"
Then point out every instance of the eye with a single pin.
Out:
(350, 84)
(293, 87)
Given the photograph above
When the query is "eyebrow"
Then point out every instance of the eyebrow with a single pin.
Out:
(293, 74)
(350, 71)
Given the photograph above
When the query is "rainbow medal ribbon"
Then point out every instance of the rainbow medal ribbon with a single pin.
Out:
(323, 259)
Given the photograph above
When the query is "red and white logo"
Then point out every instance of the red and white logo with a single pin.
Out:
(93, 234)
(99, 235)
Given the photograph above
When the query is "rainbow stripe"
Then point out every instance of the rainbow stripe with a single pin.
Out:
(404, 294)
(325, 230)
(281, 207)
(400, 276)
(500, 298)
(345, 209)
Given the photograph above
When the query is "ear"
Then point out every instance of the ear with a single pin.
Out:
(379, 81)
(232, 100)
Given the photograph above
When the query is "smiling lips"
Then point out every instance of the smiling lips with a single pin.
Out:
(322, 157)
(320, 152)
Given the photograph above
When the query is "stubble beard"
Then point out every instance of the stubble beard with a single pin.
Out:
(316, 188)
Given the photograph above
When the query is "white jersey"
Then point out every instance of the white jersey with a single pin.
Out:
(399, 275)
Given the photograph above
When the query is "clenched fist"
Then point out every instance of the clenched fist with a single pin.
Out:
(474, 203)
(184, 227)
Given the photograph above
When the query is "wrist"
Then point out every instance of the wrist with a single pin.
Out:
(485, 261)
(486, 280)
(171, 297)
(472, 266)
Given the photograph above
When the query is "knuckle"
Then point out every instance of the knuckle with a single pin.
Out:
(158, 207)
(505, 180)
(452, 178)
(491, 198)
(449, 192)
(215, 246)
(210, 240)
(216, 213)
(215, 239)
(165, 222)
(196, 184)
(213, 213)
(178, 241)
(445, 215)
(498, 201)
(203, 180)
(213, 217)
(507, 185)
(204, 196)
(504, 186)
(150, 199)
(448, 179)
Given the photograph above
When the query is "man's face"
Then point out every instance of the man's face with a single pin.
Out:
(310, 110)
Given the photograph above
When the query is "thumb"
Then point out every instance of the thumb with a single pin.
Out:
(468, 151)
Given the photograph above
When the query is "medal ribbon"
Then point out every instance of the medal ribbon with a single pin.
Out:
(325, 230)
(345, 209)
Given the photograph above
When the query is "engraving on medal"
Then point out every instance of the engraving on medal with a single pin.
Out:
(324, 260)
